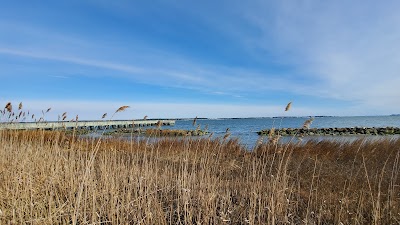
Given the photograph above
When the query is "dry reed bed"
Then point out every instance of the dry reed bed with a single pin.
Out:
(51, 178)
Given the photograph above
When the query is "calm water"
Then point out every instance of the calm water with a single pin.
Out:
(245, 129)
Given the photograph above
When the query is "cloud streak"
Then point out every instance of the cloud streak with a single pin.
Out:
(211, 79)
(351, 48)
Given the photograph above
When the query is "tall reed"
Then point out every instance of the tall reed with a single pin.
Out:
(52, 178)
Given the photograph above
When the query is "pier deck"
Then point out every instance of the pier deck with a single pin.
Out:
(90, 125)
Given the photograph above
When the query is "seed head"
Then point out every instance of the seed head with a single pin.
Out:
(307, 123)
(288, 106)
(271, 133)
(275, 139)
(226, 136)
(8, 107)
(122, 108)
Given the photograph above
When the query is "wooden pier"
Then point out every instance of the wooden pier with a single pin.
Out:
(89, 125)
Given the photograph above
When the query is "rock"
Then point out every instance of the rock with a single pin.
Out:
(334, 131)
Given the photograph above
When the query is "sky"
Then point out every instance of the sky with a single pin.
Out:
(182, 59)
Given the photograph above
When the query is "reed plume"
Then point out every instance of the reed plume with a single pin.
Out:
(122, 108)
(226, 136)
(307, 123)
(48, 110)
(20, 106)
(288, 106)
(159, 123)
(104, 115)
(8, 107)
(271, 133)
(145, 118)
(275, 139)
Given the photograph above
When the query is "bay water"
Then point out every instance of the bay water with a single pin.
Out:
(245, 128)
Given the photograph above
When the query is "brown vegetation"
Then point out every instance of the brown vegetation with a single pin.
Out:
(173, 133)
(52, 178)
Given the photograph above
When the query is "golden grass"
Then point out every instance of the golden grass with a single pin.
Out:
(52, 178)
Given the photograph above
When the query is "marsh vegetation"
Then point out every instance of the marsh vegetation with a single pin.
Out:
(52, 177)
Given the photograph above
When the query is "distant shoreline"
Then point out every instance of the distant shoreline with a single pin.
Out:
(270, 117)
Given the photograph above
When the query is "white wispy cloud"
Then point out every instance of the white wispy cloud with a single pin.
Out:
(211, 79)
(141, 64)
(351, 48)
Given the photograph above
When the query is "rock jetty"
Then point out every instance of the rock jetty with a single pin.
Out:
(158, 132)
(169, 133)
(334, 131)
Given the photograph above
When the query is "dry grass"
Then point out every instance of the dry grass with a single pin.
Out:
(51, 178)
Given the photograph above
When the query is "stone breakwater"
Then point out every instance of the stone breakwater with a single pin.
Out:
(158, 132)
(334, 131)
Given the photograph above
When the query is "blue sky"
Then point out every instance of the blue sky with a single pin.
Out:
(204, 58)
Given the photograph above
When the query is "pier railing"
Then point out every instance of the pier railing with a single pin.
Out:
(90, 125)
